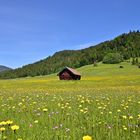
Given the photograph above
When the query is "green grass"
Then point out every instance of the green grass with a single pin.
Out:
(104, 104)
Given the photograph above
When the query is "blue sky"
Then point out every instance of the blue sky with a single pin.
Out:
(31, 30)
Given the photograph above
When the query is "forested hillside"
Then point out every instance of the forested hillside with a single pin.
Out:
(128, 45)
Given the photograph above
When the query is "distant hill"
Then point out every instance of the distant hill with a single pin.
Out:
(4, 68)
(127, 44)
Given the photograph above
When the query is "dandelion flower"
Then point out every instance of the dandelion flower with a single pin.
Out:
(87, 138)
(118, 110)
(2, 129)
(82, 101)
(134, 132)
(36, 121)
(15, 127)
(3, 123)
(62, 107)
(130, 117)
(125, 128)
(45, 110)
(9, 122)
(101, 113)
(99, 107)
(124, 117)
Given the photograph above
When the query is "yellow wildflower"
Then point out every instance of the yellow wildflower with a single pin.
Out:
(130, 117)
(34, 102)
(82, 101)
(3, 123)
(20, 104)
(118, 110)
(99, 107)
(15, 127)
(62, 107)
(87, 138)
(125, 128)
(2, 129)
(101, 113)
(134, 131)
(13, 107)
(45, 110)
(36, 121)
(124, 117)
(4, 137)
(9, 122)
(127, 106)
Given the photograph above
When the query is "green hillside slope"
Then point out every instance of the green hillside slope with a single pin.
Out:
(128, 45)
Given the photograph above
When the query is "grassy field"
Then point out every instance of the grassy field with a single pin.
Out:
(104, 104)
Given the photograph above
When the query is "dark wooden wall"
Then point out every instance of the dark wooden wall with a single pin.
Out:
(66, 75)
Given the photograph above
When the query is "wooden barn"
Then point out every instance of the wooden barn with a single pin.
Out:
(69, 74)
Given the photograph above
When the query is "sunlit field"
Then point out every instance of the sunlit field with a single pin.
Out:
(104, 104)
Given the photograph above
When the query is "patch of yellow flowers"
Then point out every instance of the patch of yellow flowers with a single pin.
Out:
(3, 124)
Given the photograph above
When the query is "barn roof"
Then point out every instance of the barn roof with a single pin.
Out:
(75, 72)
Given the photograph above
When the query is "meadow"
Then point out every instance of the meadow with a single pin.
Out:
(104, 104)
